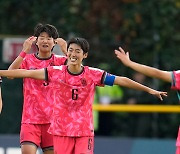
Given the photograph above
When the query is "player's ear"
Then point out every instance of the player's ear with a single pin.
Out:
(85, 55)
(35, 42)
(55, 41)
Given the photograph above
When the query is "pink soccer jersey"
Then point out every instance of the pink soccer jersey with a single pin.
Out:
(73, 99)
(37, 105)
(176, 80)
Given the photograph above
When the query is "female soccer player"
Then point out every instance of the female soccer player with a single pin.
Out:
(72, 90)
(169, 76)
(37, 107)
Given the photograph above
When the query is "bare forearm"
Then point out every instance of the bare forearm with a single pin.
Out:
(63, 45)
(126, 82)
(21, 73)
(15, 73)
(64, 48)
(16, 63)
(150, 71)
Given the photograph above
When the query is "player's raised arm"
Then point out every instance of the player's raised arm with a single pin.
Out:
(26, 48)
(126, 82)
(146, 70)
(62, 44)
(22, 73)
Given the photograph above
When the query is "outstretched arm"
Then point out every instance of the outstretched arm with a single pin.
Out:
(126, 82)
(146, 70)
(22, 73)
(26, 48)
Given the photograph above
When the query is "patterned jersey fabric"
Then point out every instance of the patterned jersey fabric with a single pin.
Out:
(176, 80)
(37, 105)
(73, 98)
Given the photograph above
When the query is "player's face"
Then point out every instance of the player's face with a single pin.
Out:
(45, 43)
(75, 54)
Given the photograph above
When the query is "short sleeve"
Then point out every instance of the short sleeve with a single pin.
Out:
(97, 76)
(175, 80)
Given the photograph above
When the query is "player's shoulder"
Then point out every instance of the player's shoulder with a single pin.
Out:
(93, 69)
(58, 56)
(30, 56)
(60, 68)
(177, 72)
(93, 72)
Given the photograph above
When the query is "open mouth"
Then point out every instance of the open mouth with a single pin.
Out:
(73, 59)
(45, 46)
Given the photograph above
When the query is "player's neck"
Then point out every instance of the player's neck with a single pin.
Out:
(74, 69)
(44, 54)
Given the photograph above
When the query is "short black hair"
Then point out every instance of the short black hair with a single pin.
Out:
(82, 42)
(49, 29)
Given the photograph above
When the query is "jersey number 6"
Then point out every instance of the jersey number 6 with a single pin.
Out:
(74, 94)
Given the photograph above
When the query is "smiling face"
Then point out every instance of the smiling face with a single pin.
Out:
(45, 43)
(75, 54)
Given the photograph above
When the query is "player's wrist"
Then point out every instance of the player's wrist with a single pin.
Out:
(129, 64)
(23, 54)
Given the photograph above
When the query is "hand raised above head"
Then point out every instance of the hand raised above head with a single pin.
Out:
(122, 56)
(63, 44)
(28, 43)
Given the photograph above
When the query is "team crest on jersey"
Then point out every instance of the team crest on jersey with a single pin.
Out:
(83, 82)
